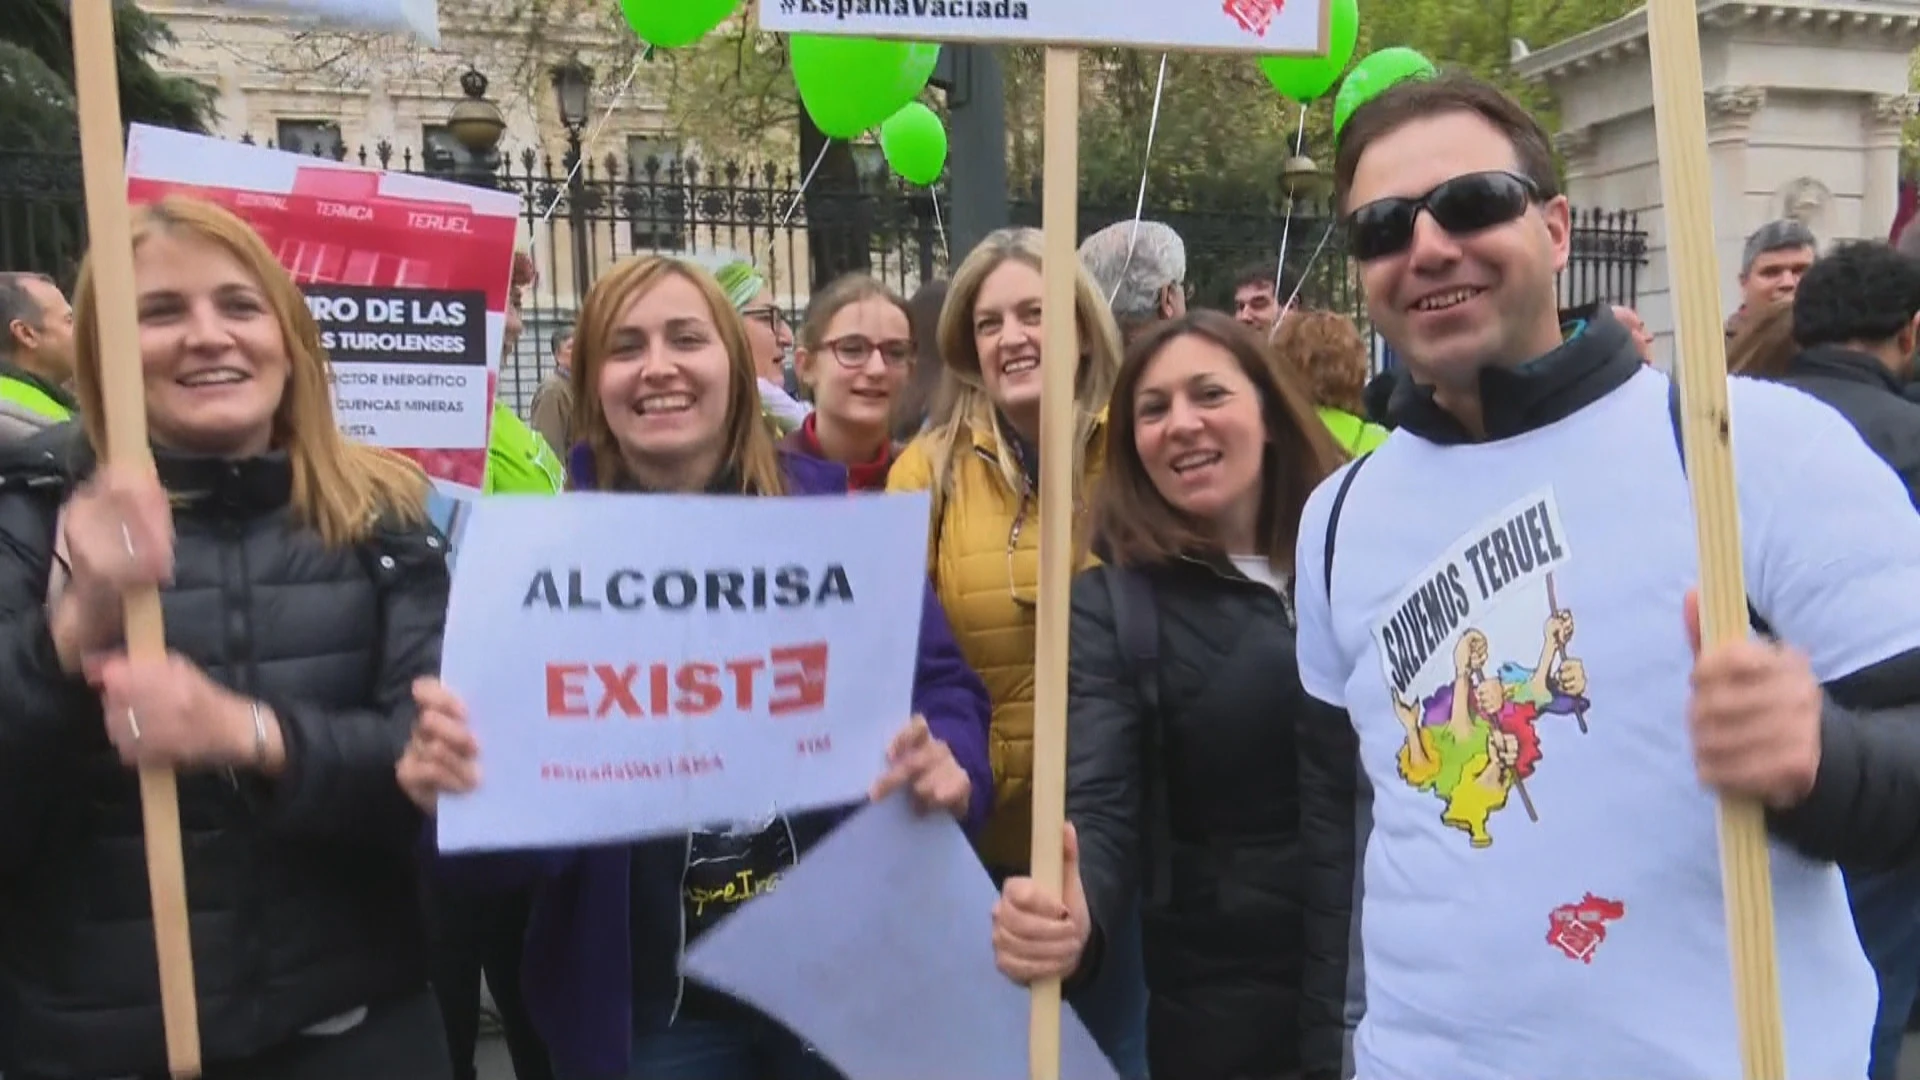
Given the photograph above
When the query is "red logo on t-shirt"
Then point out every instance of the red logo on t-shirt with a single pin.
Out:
(1254, 16)
(1578, 929)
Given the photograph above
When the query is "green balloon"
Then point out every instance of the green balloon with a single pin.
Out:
(1304, 78)
(915, 144)
(850, 85)
(671, 24)
(1370, 77)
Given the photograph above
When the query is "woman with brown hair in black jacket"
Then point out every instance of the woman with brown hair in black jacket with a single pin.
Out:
(1193, 751)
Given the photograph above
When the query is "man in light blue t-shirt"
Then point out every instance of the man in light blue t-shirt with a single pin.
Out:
(1501, 597)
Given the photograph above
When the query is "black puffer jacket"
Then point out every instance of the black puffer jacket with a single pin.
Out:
(303, 888)
(1245, 937)
(1860, 388)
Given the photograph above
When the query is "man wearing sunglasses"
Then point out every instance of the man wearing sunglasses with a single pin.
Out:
(1579, 931)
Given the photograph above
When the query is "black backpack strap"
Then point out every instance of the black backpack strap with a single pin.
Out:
(1760, 625)
(1333, 520)
(1136, 622)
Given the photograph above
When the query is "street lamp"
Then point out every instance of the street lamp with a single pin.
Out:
(1307, 186)
(573, 90)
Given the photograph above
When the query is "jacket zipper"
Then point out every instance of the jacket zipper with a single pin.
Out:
(241, 655)
(1240, 580)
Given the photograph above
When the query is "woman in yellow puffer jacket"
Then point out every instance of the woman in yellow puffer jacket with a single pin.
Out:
(982, 465)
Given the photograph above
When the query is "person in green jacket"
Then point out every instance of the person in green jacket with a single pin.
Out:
(1327, 350)
(1355, 434)
(36, 356)
(519, 461)
(478, 934)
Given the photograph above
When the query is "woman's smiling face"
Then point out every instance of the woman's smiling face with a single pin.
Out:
(663, 384)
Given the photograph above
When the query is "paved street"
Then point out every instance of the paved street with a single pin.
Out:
(493, 1063)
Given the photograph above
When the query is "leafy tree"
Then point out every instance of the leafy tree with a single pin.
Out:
(42, 29)
(37, 111)
(515, 43)
(1479, 37)
(1219, 149)
(733, 92)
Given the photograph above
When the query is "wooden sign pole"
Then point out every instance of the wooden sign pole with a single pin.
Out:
(110, 253)
(1686, 178)
(1065, 27)
(1059, 364)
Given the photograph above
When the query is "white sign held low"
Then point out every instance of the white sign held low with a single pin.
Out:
(420, 18)
(1263, 27)
(635, 666)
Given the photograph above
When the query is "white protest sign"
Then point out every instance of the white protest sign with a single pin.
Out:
(420, 18)
(1265, 27)
(638, 665)
(407, 278)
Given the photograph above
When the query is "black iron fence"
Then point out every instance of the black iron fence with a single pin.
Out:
(613, 207)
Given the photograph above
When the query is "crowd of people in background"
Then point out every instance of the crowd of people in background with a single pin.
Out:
(1278, 867)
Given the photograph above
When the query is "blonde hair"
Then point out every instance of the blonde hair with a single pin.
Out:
(964, 398)
(749, 452)
(341, 489)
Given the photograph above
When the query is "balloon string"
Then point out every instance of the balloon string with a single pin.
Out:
(593, 137)
(940, 227)
(804, 183)
(1286, 227)
(1325, 234)
(1140, 203)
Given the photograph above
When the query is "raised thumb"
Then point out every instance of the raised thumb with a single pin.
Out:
(1069, 848)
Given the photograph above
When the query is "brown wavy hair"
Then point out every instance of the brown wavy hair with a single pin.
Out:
(342, 489)
(1135, 525)
(1762, 345)
(1327, 349)
(749, 453)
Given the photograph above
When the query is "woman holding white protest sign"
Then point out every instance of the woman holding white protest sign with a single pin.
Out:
(667, 403)
(304, 592)
(1192, 762)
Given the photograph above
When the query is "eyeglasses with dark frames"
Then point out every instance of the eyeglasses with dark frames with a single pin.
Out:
(854, 350)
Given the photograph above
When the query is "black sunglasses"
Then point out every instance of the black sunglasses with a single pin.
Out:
(1465, 204)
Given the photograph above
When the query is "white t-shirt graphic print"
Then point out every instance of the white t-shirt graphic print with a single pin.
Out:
(1542, 894)
(1454, 649)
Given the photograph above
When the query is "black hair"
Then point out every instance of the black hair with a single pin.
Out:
(1861, 292)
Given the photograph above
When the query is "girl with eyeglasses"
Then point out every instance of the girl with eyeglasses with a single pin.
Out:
(856, 353)
(982, 464)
